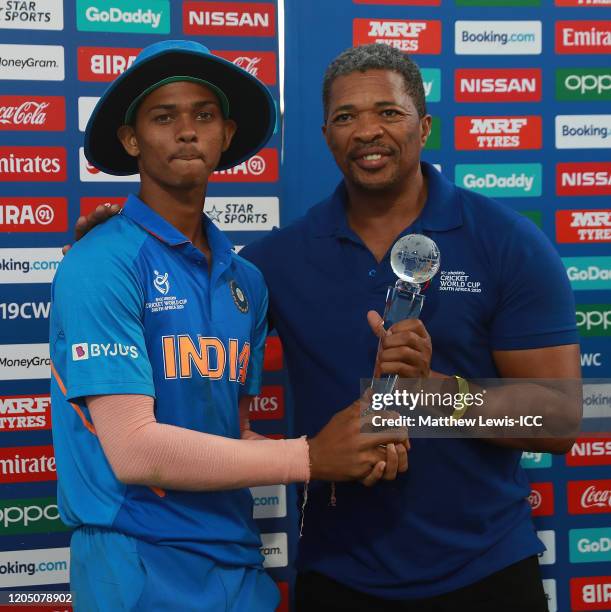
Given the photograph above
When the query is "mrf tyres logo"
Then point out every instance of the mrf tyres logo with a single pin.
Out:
(583, 226)
(25, 413)
(498, 133)
(143, 17)
(411, 36)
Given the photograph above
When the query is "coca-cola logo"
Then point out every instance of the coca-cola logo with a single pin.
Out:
(534, 499)
(594, 498)
(32, 113)
(250, 64)
(261, 64)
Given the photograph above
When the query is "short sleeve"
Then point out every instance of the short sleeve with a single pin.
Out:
(98, 304)
(259, 334)
(536, 306)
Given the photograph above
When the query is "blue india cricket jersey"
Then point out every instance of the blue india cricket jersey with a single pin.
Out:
(136, 310)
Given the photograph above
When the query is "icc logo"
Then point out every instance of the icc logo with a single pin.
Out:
(161, 283)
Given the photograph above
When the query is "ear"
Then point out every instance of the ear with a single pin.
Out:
(425, 129)
(229, 130)
(127, 136)
(323, 129)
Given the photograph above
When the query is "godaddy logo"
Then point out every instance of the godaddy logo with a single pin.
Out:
(588, 272)
(583, 84)
(145, 16)
(39, 515)
(594, 319)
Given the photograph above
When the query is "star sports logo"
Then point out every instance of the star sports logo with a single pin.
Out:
(492, 133)
(583, 178)
(499, 85)
(229, 18)
(410, 36)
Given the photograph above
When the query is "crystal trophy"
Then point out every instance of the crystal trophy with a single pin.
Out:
(415, 260)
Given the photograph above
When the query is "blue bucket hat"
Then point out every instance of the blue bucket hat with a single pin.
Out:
(242, 96)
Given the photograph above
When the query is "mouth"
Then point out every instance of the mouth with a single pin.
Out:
(371, 159)
(187, 156)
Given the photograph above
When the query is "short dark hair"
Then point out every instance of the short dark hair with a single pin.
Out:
(376, 57)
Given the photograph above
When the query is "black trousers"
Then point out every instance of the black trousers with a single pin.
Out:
(516, 588)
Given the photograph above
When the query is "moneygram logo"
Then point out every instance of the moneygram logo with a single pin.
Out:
(82, 351)
(24, 266)
(583, 131)
(90, 174)
(411, 36)
(261, 64)
(590, 545)
(229, 18)
(501, 180)
(30, 567)
(25, 412)
(32, 62)
(541, 498)
(591, 593)
(583, 84)
(589, 496)
(500, 85)
(497, 133)
(274, 548)
(535, 460)
(24, 362)
(588, 272)
(244, 214)
(32, 164)
(590, 451)
(33, 214)
(151, 16)
(269, 404)
(32, 15)
(27, 464)
(33, 113)
(497, 37)
(37, 515)
(587, 178)
(260, 168)
(269, 502)
(103, 64)
(583, 226)
(583, 37)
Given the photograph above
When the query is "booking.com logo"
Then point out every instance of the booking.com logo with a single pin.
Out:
(14, 567)
(11, 265)
(490, 36)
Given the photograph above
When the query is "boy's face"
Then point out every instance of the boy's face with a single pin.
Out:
(178, 136)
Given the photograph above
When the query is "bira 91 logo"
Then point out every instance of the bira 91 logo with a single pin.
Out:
(32, 164)
(409, 35)
(583, 37)
(27, 464)
(590, 451)
(541, 498)
(33, 214)
(33, 113)
(229, 18)
(498, 133)
(269, 404)
(591, 593)
(498, 85)
(25, 412)
(260, 168)
(589, 496)
(103, 64)
(583, 178)
(261, 64)
(583, 225)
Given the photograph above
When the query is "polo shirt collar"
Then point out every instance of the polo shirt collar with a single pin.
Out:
(157, 226)
(441, 212)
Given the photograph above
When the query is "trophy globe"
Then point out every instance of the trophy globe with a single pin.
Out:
(415, 259)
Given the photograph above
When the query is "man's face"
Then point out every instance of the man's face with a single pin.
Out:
(373, 129)
(179, 135)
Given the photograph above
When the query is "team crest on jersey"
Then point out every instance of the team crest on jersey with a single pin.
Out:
(240, 299)
(161, 282)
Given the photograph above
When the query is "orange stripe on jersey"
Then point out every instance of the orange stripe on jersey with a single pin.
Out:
(76, 407)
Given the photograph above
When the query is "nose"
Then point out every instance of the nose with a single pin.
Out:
(368, 127)
(185, 128)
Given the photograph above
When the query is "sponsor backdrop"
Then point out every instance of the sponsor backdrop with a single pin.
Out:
(519, 114)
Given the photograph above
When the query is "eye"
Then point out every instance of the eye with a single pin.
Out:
(342, 118)
(205, 115)
(162, 118)
(390, 113)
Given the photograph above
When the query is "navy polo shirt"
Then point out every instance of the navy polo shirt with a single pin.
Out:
(460, 512)
(136, 309)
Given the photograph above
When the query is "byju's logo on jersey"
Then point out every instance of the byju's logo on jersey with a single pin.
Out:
(83, 350)
(239, 298)
(161, 283)
(411, 36)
